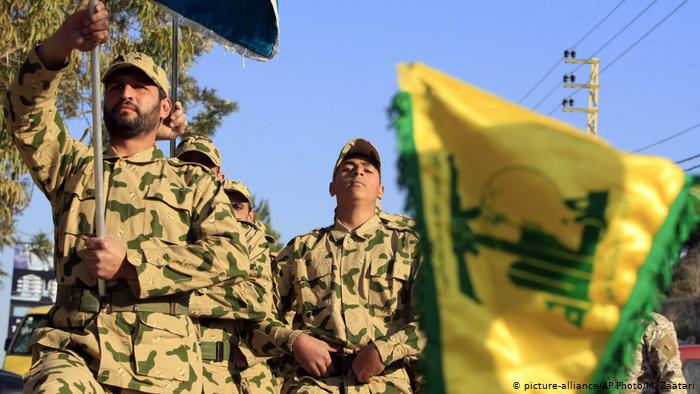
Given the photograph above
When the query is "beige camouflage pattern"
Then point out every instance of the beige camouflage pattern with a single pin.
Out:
(231, 186)
(657, 364)
(144, 63)
(349, 289)
(180, 235)
(199, 145)
(359, 146)
(225, 312)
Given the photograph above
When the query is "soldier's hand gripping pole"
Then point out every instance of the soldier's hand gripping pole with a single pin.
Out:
(97, 145)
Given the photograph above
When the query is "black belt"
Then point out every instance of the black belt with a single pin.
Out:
(120, 300)
(341, 363)
(218, 351)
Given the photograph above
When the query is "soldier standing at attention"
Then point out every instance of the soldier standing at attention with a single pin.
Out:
(254, 375)
(169, 228)
(350, 287)
(657, 365)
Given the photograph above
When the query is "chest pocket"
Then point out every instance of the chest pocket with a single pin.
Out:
(313, 287)
(78, 211)
(168, 212)
(388, 284)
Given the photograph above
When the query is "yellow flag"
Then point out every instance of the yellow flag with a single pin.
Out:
(545, 249)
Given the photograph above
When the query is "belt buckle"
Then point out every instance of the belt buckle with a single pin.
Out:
(219, 352)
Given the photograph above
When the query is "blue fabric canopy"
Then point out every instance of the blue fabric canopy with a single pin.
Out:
(250, 26)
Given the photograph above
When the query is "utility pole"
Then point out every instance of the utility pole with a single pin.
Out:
(592, 86)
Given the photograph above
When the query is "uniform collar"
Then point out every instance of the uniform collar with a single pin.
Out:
(365, 231)
(149, 155)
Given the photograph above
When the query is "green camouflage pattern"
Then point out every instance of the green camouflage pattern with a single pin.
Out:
(200, 145)
(225, 313)
(144, 63)
(657, 364)
(348, 289)
(174, 219)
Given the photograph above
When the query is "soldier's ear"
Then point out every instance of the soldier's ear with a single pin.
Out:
(331, 189)
(380, 192)
(166, 106)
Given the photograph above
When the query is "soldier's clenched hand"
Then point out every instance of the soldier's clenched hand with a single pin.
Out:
(174, 126)
(314, 355)
(367, 363)
(83, 30)
(106, 258)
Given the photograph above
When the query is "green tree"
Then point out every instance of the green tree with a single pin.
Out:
(136, 25)
(41, 246)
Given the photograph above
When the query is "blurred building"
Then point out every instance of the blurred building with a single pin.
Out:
(33, 284)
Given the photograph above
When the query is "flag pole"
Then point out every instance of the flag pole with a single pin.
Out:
(97, 148)
(173, 82)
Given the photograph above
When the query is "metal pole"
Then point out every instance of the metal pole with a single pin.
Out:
(173, 83)
(97, 147)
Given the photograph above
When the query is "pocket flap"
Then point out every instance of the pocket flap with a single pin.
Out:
(176, 196)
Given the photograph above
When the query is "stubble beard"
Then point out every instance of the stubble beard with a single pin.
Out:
(125, 127)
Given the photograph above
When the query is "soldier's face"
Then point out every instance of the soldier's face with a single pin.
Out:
(241, 207)
(357, 179)
(132, 105)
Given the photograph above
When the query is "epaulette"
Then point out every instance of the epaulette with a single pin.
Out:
(398, 222)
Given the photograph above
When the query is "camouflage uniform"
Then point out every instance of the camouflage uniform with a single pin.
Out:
(657, 361)
(223, 314)
(180, 235)
(199, 145)
(350, 289)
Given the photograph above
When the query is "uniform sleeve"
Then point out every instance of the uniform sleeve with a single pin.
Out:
(38, 129)
(408, 341)
(217, 253)
(260, 278)
(275, 335)
(665, 356)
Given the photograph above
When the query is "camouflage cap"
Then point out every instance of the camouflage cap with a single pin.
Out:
(231, 186)
(144, 63)
(361, 147)
(201, 145)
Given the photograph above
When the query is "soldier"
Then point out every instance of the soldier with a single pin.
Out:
(242, 202)
(657, 363)
(254, 372)
(169, 228)
(350, 287)
(195, 149)
(223, 312)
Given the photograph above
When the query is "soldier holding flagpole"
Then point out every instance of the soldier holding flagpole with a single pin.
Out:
(169, 227)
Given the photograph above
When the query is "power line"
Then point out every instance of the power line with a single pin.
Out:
(686, 159)
(642, 12)
(558, 62)
(692, 168)
(645, 35)
(624, 28)
(670, 137)
(628, 48)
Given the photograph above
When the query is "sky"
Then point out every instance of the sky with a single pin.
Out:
(335, 74)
